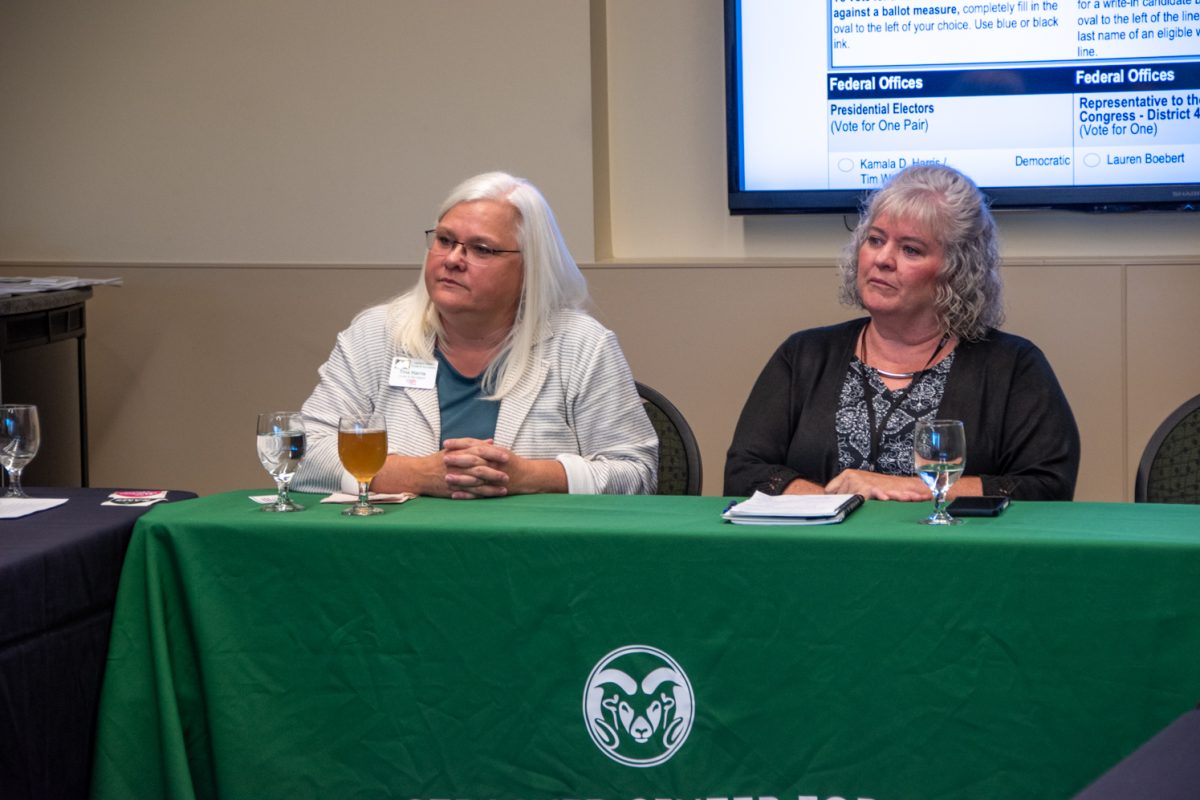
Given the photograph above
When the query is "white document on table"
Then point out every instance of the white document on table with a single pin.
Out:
(15, 507)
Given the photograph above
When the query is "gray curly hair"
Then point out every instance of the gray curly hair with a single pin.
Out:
(970, 294)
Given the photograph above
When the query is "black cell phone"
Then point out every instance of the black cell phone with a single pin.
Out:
(977, 506)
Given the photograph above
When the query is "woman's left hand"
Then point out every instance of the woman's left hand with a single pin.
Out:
(875, 486)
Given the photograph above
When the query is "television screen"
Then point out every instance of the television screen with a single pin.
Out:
(1089, 104)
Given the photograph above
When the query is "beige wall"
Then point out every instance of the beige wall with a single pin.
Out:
(280, 131)
(257, 172)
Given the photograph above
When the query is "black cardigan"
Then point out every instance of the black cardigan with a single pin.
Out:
(1021, 435)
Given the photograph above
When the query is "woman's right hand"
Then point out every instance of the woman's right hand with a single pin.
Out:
(802, 486)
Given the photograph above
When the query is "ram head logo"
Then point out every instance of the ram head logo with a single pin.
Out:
(638, 705)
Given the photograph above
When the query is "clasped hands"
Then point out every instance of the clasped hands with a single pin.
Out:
(478, 468)
(465, 469)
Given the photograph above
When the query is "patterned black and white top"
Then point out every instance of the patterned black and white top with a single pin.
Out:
(1022, 439)
(897, 412)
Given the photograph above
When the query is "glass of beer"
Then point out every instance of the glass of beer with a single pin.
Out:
(362, 447)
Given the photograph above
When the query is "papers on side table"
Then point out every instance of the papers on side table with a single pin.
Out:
(14, 507)
(51, 283)
(793, 509)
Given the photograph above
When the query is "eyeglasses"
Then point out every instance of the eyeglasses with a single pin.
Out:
(476, 252)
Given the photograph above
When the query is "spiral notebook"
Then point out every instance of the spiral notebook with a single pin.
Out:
(792, 509)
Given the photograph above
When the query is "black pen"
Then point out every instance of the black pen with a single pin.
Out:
(850, 504)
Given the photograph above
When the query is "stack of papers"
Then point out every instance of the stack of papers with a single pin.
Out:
(793, 509)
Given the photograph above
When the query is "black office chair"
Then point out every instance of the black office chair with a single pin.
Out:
(1170, 467)
(679, 469)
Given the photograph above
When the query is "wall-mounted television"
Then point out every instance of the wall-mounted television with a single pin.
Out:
(1082, 104)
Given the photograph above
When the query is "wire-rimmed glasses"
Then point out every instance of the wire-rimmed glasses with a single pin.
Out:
(478, 253)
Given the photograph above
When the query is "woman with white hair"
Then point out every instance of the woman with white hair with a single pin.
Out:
(835, 408)
(492, 379)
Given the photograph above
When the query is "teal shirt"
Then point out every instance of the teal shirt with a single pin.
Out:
(465, 414)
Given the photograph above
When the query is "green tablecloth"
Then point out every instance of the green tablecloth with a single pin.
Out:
(443, 650)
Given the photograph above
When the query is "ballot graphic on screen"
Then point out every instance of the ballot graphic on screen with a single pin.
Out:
(1047, 102)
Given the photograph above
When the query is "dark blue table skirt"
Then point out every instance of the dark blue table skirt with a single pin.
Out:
(59, 571)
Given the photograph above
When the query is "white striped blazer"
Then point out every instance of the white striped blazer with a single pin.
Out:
(578, 404)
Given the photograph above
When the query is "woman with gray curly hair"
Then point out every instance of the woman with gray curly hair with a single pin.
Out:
(835, 408)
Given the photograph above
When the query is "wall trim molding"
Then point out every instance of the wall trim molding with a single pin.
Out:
(1192, 260)
(824, 263)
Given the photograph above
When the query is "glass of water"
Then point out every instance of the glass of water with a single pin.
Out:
(280, 448)
(939, 455)
(20, 435)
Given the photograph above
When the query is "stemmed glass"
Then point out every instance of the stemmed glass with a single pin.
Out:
(362, 447)
(280, 448)
(19, 439)
(939, 455)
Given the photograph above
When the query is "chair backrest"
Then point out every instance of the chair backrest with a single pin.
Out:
(679, 469)
(1170, 468)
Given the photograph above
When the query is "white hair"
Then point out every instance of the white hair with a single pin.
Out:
(551, 282)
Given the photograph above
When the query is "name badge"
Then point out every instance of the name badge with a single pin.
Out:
(413, 373)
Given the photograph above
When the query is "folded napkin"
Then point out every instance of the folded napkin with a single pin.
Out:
(345, 497)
